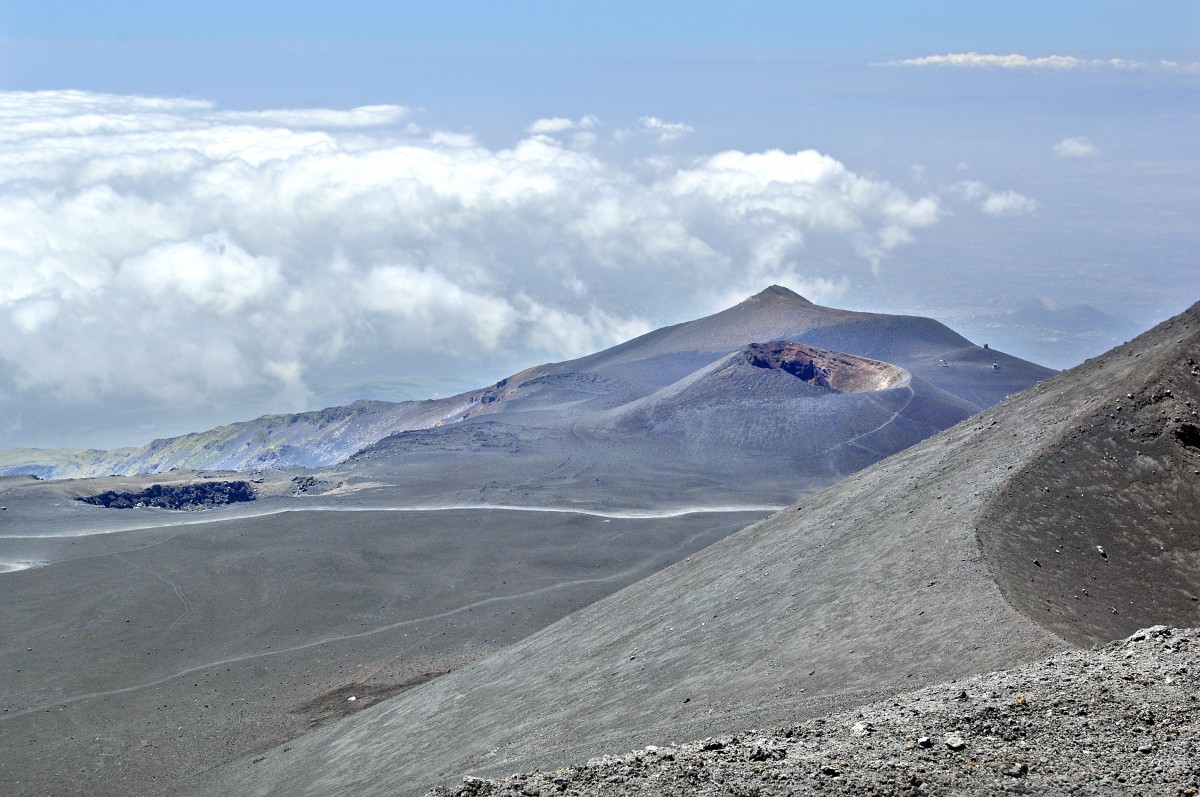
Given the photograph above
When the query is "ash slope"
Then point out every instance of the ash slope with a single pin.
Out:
(548, 401)
(1124, 718)
(884, 583)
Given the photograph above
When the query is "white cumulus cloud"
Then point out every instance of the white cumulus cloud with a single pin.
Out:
(1008, 203)
(808, 192)
(170, 250)
(969, 189)
(1075, 147)
(559, 124)
(994, 203)
(1060, 63)
(666, 132)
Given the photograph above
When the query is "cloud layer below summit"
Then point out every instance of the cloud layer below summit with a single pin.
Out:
(213, 260)
(167, 248)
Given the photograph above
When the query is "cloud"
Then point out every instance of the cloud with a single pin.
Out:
(365, 116)
(968, 190)
(573, 334)
(169, 250)
(558, 124)
(1060, 63)
(1008, 203)
(805, 192)
(994, 203)
(1075, 148)
(667, 132)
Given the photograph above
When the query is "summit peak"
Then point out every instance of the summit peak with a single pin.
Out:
(778, 292)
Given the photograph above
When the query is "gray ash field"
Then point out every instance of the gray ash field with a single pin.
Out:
(559, 566)
(166, 650)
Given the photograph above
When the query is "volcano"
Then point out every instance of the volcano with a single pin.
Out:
(929, 379)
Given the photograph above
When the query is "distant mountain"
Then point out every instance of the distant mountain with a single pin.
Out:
(1053, 333)
(637, 387)
(306, 439)
(1051, 315)
(1063, 516)
(694, 414)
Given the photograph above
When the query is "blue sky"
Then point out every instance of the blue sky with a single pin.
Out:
(459, 53)
(190, 188)
(880, 25)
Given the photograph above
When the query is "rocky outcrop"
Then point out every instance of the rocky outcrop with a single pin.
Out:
(198, 495)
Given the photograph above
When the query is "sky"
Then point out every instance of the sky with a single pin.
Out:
(210, 212)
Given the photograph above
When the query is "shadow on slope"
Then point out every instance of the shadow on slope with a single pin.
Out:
(1100, 533)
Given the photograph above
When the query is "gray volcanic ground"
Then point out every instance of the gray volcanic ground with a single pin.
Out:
(134, 656)
(145, 646)
(1041, 523)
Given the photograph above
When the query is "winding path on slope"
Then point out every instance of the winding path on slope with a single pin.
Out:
(648, 514)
